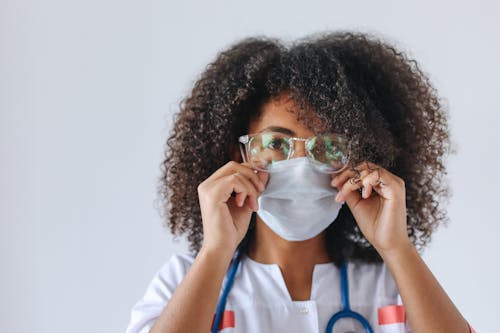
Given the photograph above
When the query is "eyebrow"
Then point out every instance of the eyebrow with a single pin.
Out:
(280, 129)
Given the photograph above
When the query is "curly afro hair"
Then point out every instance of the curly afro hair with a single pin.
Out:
(356, 84)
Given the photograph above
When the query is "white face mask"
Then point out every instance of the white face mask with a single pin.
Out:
(298, 202)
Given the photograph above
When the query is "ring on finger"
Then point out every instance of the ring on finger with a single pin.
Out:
(379, 182)
(354, 180)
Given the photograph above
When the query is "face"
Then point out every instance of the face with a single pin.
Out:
(276, 116)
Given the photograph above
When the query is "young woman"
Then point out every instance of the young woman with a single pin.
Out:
(307, 178)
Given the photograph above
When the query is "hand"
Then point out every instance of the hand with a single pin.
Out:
(225, 217)
(380, 211)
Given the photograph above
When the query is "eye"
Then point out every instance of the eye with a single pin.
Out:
(275, 144)
(273, 141)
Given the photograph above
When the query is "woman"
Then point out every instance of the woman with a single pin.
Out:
(298, 169)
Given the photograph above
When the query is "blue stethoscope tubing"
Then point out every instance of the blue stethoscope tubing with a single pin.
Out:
(229, 283)
(346, 311)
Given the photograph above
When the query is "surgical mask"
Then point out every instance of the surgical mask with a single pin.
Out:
(298, 202)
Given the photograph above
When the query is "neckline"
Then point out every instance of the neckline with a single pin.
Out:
(275, 270)
(258, 263)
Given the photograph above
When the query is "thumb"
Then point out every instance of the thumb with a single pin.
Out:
(263, 176)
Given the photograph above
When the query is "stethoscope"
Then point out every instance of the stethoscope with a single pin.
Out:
(346, 312)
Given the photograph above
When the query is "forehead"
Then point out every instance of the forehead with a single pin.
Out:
(282, 111)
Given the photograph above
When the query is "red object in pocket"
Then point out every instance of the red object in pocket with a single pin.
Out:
(391, 314)
(226, 320)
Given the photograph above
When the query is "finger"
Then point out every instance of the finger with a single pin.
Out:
(263, 176)
(243, 168)
(351, 184)
(222, 190)
(250, 191)
(339, 179)
(389, 186)
(253, 175)
(369, 181)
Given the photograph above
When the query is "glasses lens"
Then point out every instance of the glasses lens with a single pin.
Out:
(330, 151)
(267, 148)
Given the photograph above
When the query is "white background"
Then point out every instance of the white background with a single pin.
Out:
(87, 93)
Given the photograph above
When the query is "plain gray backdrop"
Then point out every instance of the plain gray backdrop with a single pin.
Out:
(87, 93)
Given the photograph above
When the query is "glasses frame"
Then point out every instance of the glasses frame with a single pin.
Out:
(245, 139)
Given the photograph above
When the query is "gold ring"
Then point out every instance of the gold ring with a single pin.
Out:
(379, 182)
(354, 181)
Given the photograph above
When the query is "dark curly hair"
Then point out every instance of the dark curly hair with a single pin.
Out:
(355, 83)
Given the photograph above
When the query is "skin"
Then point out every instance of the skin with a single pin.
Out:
(380, 214)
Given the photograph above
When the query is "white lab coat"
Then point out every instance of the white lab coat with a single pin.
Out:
(259, 300)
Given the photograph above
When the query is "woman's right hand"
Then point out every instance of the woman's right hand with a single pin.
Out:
(225, 223)
(226, 218)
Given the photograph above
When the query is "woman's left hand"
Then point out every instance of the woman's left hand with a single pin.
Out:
(381, 211)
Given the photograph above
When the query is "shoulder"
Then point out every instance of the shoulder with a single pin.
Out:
(170, 274)
(174, 269)
(159, 291)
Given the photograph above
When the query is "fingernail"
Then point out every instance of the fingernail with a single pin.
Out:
(337, 197)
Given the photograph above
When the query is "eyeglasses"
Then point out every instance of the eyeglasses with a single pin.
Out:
(328, 152)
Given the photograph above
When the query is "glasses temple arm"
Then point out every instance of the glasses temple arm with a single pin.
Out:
(243, 155)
